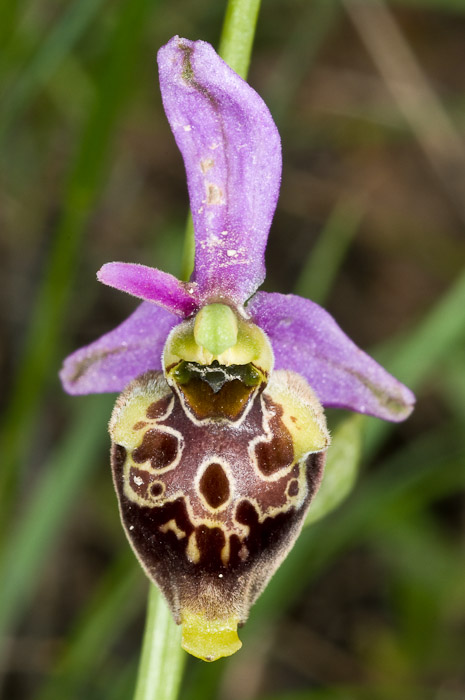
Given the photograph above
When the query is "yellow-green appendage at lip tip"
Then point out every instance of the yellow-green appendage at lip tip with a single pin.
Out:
(209, 640)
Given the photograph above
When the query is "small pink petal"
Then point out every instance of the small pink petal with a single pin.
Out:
(150, 284)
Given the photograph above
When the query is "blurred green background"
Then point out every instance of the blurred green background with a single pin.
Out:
(369, 100)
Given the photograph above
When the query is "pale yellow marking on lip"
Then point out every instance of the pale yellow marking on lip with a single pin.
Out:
(131, 408)
(192, 549)
(172, 526)
(226, 551)
(303, 415)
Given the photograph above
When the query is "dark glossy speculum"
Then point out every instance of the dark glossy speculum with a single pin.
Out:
(214, 467)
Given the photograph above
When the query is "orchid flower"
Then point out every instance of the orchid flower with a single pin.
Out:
(219, 437)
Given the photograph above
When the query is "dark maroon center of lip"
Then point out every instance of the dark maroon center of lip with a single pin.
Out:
(214, 485)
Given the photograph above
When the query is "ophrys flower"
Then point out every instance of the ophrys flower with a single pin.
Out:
(219, 437)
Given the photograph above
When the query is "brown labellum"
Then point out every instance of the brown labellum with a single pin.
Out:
(211, 505)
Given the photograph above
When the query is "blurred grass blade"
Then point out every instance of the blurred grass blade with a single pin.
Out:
(341, 469)
(321, 269)
(302, 47)
(413, 93)
(427, 578)
(47, 59)
(119, 685)
(9, 12)
(441, 329)
(421, 352)
(162, 660)
(426, 557)
(41, 523)
(454, 383)
(84, 184)
(446, 5)
(203, 680)
(383, 691)
(111, 608)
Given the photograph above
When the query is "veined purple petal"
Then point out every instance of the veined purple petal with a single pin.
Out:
(150, 284)
(232, 154)
(306, 339)
(118, 357)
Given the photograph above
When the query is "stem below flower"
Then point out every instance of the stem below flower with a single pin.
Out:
(162, 660)
(238, 34)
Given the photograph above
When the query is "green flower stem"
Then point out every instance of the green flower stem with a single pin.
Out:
(238, 34)
(162, 659)
(188, 254)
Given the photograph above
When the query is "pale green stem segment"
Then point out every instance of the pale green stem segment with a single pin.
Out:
(320, 271)
(238, 34)
(162, 659)
(188, 253)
